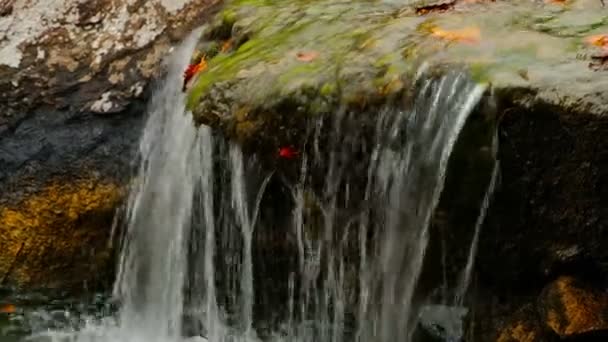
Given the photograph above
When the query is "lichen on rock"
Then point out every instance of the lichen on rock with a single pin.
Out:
(62, 229)
(62, 53)
(570, 307)
(523, 326)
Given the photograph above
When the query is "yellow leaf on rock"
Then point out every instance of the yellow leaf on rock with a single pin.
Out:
(466, 35)
(600, 40)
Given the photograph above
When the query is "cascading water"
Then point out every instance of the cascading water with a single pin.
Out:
(405, 177)
(187, 265)
(153, 260)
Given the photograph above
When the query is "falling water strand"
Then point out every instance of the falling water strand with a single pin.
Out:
(212, 320)
(465, 278)
(408, 183)
(153, 258)
(153, 261)
(239, 205)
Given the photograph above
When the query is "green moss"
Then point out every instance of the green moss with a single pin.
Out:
(328, 89)
(229, 16)
(365, 50)
(480, 72)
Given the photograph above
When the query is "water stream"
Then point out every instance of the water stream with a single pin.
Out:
(359, 219)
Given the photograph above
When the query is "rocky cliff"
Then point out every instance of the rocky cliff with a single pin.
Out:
(74, 77)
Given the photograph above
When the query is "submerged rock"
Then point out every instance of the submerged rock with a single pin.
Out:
(443, 322)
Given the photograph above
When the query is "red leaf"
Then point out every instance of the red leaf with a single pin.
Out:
(288, 152)
(307, 56)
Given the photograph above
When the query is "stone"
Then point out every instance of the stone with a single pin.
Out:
(522, 326)
(544, 59)
(444, 323)
(60, 231)
(569, 307)
(76, 50)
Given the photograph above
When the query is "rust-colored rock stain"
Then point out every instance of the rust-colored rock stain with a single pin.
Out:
(58, 234)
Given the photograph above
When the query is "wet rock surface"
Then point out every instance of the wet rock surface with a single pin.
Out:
(567, 309)
(523, 326)
(74, 78)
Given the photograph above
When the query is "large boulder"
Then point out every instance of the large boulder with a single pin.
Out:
(270, 66)
(269, 69)
(74, 78)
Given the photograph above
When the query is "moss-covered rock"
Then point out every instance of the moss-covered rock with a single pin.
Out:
(292, 60)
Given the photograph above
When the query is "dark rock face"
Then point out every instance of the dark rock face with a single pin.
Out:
(548, 217)
(63, 144)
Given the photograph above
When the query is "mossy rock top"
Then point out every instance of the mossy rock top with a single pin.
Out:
(274, 61)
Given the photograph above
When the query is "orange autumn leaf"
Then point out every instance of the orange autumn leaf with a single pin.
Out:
(307, 56)
(556, 2)
(476, 1)
(8, 308)
(194, 69)
(227, 45)
(465, 35)
(600, 40)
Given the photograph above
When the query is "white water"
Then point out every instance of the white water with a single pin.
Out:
(194, 208)
(402, 190)
(153, 259)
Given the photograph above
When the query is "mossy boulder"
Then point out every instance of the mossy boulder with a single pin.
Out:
(284, 62)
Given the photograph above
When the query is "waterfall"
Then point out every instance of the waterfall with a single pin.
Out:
(403, 182)
(174, 161)
(359, 219)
